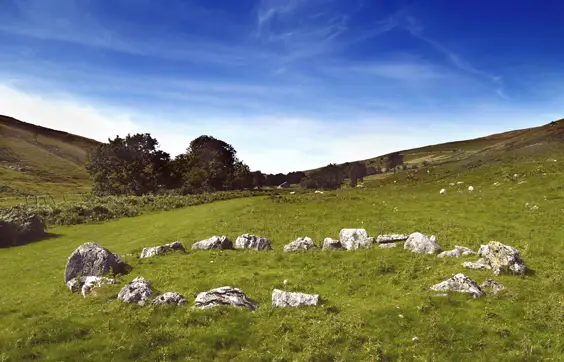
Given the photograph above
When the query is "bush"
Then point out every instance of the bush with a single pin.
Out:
(19, 225)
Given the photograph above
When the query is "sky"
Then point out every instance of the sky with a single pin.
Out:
(290, 84)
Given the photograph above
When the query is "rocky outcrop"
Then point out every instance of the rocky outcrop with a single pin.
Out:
(86, 284)
(300, 244)
(502, 258)
(91, 259)
(419, 243)
(215, 242)
(249, 241)
(224, 296)
(353, 239)
(388, 245)
(170, 298)
(492, 286)
(331, 244)
(160, 250)
(281, 299)
(391, 238)
(459, 283)
(138, 291)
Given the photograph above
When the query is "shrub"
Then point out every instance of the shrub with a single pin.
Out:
(20, 224)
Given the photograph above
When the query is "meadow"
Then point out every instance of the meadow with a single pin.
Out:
(374, 301)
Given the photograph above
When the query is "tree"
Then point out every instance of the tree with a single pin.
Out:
(295, 177)
(394, 160)
(329, 177)
(259, 179)
(356, 172)
(242, 177)
(128, 166)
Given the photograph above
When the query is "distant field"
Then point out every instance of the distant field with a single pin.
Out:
(374, 301)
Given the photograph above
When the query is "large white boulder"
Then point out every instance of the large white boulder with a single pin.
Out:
(419, 243)
(215, 242)
(91, 259)
(138, 291)
(305, 243)
(459, 283)
(352, 239)
(249, 241)
(281, 299)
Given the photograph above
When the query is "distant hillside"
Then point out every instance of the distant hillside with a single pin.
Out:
(39, 160)
(461, 150)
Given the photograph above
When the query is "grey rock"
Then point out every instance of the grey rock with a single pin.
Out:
(353, 239)
(170, 298)
(459, 283)
(479, 265)
(419, 243)
(281, 299)
(300, 244)
(502, 258)
(391, 238)
(86, 284)
(138, 291)
(493, 286)
(464, 250)
(331, 244)
(160, 250)
(91, 259)
(455, 253)
(388, 245)
(224, 296)
(215, 242)
(249, 241)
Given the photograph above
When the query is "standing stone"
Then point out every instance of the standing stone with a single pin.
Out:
(352, 239)
(91, 259)
(170, 298)
(419, 243)
(138, 291)
(331, 244)
(281, 299)
(163, 249)
(391, 238)
(215, 242)
(224, 296)
(459, 283)
(300, 243)
(502, 258)
(492, 285)
(249, 241)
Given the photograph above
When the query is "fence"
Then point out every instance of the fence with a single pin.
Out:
(46, 199)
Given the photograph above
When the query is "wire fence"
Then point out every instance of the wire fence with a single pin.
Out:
(46, 199)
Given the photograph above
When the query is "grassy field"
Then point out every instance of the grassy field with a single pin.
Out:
(374, 302)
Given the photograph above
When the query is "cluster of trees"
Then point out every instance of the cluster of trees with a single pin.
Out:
(135, 165)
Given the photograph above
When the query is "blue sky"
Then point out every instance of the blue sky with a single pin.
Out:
(291, 84)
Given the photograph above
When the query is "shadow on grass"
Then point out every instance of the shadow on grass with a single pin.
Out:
(30, 240)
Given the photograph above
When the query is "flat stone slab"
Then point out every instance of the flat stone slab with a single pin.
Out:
(224, 296)
(391, 238)
(281, 299)
(160, 250)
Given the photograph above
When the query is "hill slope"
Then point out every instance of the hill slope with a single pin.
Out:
(39, 160)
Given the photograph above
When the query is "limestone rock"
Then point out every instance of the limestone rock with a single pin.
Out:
(352, 239)
(215, 242)
(300, 243)
(282, 299)
(248, 241)
(170, 298)
(331, 244)
(479, 265)
(455, 253)
(464, 250)
(91, 259)
(492, 285)
(391, 238)
(138, 291)
(419, 243)
(388, 245)
(224, 296)
(502, 258)
(160, 250)
(86, 284)
(459, 283)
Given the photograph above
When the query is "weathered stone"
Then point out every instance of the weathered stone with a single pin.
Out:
(248, 241)
(455, 253)
(138, 291)
(331, 244)
(281, 299)
(479, 265)
(464, 250)
(492, 286)
(391, 238)
(86, 284)
(170, 298)
(160, 250)
(502, 258)
(91, 259)
(459, 283)
(419, 243)
(215, 242)
(388, 245)
(352, 239)
(300, 244)
(224, 296)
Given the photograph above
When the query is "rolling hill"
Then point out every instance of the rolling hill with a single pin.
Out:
(38, 160)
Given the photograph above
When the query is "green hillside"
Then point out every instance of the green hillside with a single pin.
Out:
(37, 160)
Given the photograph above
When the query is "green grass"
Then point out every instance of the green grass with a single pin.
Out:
(363, 292)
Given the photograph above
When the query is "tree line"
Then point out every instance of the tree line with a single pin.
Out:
(135, 165)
